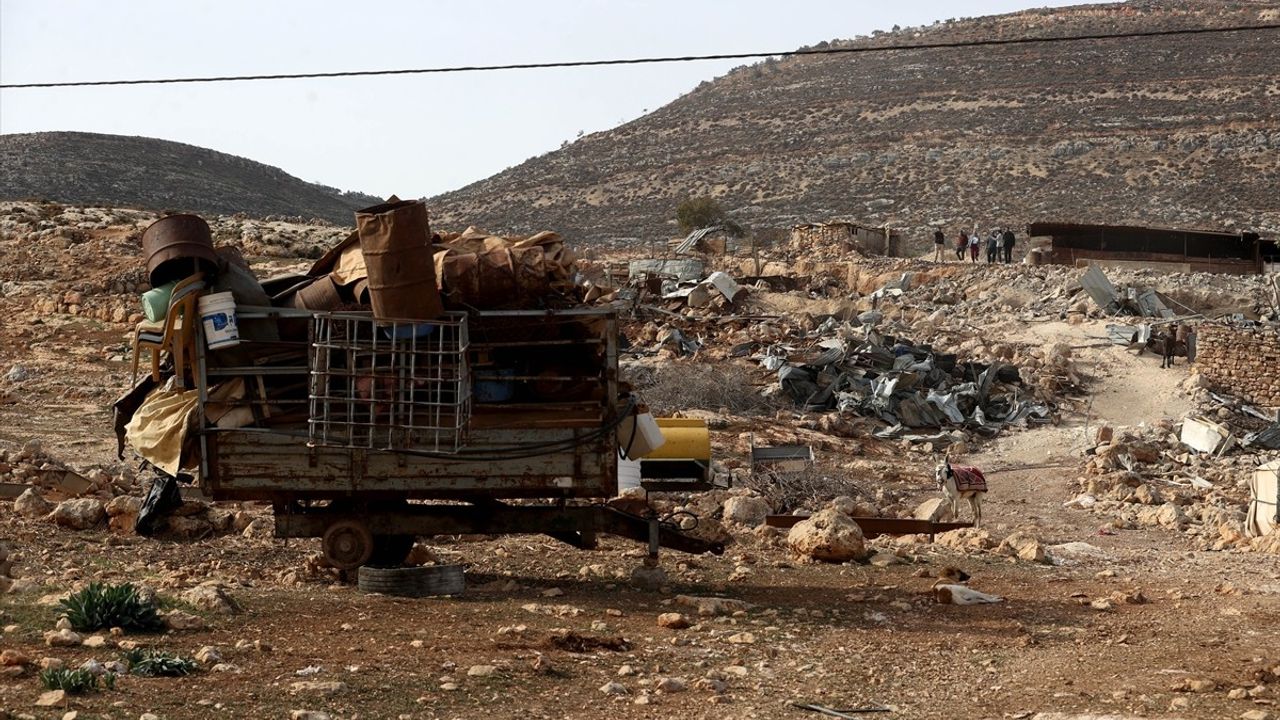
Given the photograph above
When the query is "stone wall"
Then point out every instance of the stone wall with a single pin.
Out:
(1241, 361)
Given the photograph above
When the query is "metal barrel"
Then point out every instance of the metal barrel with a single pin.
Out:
(176, 247)
(396, 241)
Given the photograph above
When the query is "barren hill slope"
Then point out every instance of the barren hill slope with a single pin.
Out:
(91, 168)
(1181, 130)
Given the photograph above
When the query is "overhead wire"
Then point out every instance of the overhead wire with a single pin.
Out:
(862, 49)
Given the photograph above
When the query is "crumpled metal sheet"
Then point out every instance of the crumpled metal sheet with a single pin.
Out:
(1096, 284)
(1150, 305)
(1121, 334)
(1268, 438)
(903, 385)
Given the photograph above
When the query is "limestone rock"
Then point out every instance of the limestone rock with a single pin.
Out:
(212, 597)
(673, 621)
(1023, 546)
(79, 514)
(51, 698)
(327, 688)
(260, 527)
(829, 536)
(1167, 515)
(712, 606)
(179, 621)
(672, 685)
(935, 510)
(122, 513)
(62, 638)
(966, 539)
(31, 504)
(746, 510)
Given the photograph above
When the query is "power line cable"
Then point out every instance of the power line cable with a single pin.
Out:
(652, 60)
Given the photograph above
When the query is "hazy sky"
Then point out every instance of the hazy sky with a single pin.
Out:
(411, 135)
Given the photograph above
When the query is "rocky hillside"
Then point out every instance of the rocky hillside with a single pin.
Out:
(1181, 131)
(116, 170)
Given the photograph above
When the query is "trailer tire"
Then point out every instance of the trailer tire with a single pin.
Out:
(425, 581)
(347, 544)
(390, 551)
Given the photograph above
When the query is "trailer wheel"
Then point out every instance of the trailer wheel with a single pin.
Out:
(347, 544)
(425, 581)
(390, 551)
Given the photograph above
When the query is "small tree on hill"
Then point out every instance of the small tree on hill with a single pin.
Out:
(700, 212)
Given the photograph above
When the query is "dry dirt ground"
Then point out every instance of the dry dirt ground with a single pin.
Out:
(525, 641)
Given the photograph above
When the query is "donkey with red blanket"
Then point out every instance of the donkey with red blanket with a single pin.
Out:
(959, 482)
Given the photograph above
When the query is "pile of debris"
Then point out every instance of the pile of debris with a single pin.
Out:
(1191, 477)
(906, 386)
(32, 466)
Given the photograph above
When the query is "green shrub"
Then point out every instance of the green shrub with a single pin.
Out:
(700, 212)
(157, 663)
(72, 682)
(101, 606)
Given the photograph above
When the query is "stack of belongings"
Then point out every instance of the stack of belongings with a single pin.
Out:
(157, 413)
(472, 270)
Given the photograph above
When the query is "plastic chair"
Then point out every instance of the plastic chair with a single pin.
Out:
(175, 333)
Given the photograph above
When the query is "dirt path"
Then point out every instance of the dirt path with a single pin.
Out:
(1126, 390)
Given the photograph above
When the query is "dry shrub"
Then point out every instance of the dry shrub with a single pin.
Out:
(686, 386)
(807, 489)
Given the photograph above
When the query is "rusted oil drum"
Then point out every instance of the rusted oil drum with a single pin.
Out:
(396, 241)
(176, 247)
(319, 295)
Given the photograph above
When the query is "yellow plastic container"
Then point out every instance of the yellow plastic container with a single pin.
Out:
(686, 438)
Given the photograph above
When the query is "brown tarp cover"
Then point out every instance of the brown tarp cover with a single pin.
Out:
(475, 268)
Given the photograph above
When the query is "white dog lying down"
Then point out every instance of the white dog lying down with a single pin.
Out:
(950, 594)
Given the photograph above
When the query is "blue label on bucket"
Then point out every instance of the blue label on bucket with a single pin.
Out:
(220, 321)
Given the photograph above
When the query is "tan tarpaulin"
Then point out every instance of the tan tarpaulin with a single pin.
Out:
(158, 430)
(351, 266)
(1264, 487)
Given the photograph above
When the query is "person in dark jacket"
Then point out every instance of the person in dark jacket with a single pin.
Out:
(962, 245)
(993, 245)
(939, 239)
(1009, 240)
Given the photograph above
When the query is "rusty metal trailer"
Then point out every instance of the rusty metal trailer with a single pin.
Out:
(514, 432)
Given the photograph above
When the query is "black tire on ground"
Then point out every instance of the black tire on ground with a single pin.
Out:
(426, 581)
(390, 551)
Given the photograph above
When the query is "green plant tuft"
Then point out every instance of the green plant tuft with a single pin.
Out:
(72, 682)
(101, 606)
(157, 663)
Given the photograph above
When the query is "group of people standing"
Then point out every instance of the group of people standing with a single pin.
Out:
(999, 243)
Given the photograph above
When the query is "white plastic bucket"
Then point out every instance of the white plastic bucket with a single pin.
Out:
(218, 314)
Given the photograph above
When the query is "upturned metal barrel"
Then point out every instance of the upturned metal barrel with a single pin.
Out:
(176, 247)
